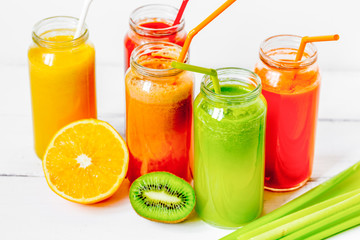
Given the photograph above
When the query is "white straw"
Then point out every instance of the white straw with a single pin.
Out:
(81, 22)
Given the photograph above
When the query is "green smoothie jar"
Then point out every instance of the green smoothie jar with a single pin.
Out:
(229, 131)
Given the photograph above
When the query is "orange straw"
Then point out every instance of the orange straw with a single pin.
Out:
(307, 39)
(203, 24)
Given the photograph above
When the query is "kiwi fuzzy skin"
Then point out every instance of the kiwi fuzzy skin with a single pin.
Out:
(168, 222)
(162, 221)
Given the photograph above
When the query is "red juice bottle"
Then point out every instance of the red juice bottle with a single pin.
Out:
(152, 23)
(291, 90)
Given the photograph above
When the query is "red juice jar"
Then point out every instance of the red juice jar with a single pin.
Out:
(152, 23)
(292, 91)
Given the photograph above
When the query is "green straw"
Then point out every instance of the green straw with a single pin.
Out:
(208, 71)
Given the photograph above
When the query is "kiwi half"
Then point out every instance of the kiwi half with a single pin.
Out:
(162, 197)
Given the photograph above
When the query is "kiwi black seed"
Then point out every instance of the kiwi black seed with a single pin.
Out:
(162, 197)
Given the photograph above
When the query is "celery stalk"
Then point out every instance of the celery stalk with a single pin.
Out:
(302, 222)
(325, 224)
(336, 229)
(302, 218)
(343, 182)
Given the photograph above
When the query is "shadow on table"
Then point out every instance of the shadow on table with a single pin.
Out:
(193, 217)
(273, 200)
(120, 196)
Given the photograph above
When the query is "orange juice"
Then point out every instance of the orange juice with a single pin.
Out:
(158, 112)
(62, 78)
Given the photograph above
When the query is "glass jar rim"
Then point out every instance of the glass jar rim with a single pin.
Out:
(156, 32)
(58, 44)
(288, 64)
(151, 71)
(244, 74)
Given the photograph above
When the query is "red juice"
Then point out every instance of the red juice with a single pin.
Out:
(155, 25)
(290, 138)
(152, 23)
(292, 93)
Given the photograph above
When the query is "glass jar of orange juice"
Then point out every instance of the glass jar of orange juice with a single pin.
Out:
(159, 101)
(62, 78)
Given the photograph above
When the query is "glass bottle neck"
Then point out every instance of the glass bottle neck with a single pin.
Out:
(242, 86)
(58, 32)
(155, 20)
(154, 59)
(280, 51)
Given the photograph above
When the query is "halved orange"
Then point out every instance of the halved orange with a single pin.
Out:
(86, 161)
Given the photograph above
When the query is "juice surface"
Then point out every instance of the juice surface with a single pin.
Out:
(62, 84)
(229, 159)
(293, 98)
(156, 25)
(159, 121)
(133, 40)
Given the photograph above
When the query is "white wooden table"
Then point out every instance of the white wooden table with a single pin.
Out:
(30, 210)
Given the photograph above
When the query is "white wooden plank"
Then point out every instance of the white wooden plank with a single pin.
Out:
(17, 155)
(30, 210)
(31, 206)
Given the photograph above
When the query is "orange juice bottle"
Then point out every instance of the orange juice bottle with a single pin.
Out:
(158, 112)
(62, 78)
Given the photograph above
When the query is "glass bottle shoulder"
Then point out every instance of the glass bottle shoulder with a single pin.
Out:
(288, 81)
(162, 90)
(60, 57)
(134, 39)
(204, 108)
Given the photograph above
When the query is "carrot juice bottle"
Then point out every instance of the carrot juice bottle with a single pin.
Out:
(291, 90)
(150, 23)
(62, 78)
(158, 112)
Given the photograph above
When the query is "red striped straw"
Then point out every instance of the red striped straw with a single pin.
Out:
(180, 13)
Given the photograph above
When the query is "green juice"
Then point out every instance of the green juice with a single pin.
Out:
(229, 153)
